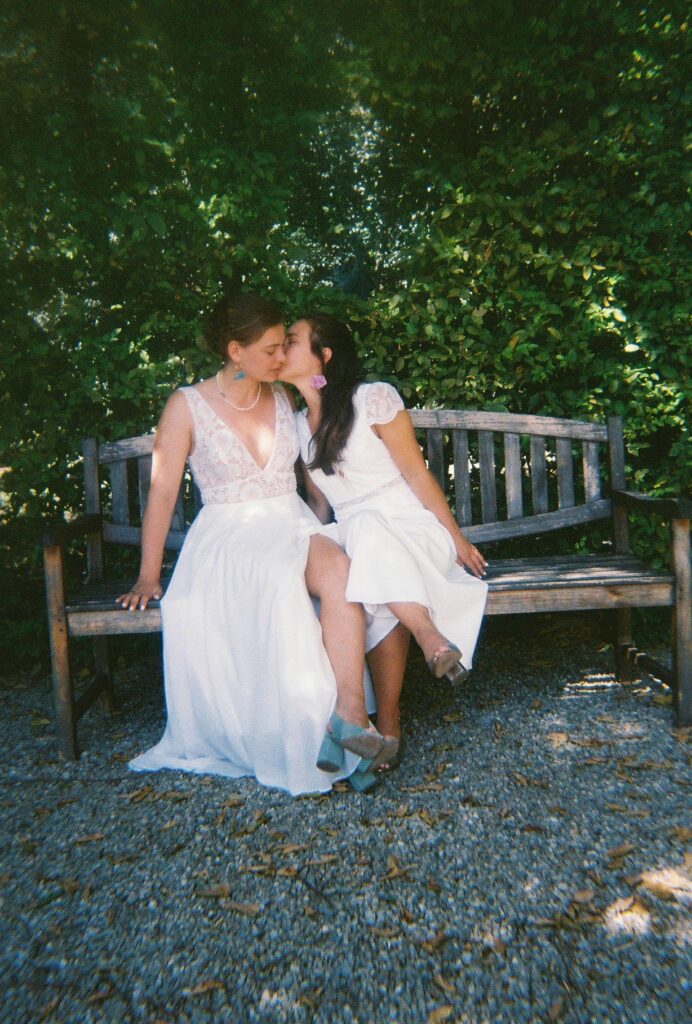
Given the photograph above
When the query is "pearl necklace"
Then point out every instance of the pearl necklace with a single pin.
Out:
(238, 408)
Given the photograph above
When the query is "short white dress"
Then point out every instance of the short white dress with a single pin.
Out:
(399, 551)
(249, 686)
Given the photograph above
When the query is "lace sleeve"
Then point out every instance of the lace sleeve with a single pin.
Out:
(382, 403)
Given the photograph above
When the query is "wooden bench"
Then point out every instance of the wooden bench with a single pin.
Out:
(509, 477)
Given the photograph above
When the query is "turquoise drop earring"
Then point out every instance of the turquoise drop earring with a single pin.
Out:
(239, 374)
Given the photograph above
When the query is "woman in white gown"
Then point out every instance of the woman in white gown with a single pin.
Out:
(407, 552)
(251, 678)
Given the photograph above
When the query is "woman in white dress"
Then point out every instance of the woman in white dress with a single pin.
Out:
(251, 679)
(408, 556)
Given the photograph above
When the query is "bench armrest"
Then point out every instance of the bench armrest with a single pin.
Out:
(59, 532)
(672, 508)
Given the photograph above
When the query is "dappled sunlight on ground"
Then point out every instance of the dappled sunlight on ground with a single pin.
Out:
(627, 916)
(588, 684)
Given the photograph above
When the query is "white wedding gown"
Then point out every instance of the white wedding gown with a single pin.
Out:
(399, 551)
(249, 687)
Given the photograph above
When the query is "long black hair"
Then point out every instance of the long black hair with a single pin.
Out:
(343, 377)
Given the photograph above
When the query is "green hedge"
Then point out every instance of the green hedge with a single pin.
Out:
(512, 180)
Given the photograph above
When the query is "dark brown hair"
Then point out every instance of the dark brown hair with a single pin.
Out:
(343, 377)
(242, 317)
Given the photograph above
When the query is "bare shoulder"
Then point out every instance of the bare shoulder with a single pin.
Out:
(176, 416)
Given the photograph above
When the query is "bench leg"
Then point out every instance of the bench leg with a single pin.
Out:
(624, 670)
(63, 691)
(682, 623)
(103, 672)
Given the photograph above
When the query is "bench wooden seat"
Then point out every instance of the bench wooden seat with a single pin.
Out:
(510, 478)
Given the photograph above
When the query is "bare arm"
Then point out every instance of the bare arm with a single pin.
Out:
(400, 440)
(315, 498)
(172, 445)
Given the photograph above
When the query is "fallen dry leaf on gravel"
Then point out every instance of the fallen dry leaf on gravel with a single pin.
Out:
(93, 838)
(439, 1015)
(203, 986)
(214, 892)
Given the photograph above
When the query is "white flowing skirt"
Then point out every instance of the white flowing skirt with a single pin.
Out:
(399, 551)
(249, 687)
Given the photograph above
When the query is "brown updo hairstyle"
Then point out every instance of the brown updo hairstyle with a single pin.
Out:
(242, 317)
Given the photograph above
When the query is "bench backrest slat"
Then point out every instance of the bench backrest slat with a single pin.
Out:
(513, 484)
(120, 498)
(539, 475)
(508, 475)
(436, 462)
(592, 478)
(486, 462)
(548, 426)
(565, 473)
(143, 480)
(462, 479)
(554, 474)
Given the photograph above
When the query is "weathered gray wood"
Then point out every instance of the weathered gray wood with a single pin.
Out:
(501, 422)
(584, 571)
(61, 533)
(128, 448)
(616, 453)
(102, 595)
(486, 458)
(63, 695)
(671, 508)
(92, 502)
(592, 476)
(565, 473)
(567, 598)
(682, 620)
(143, 481)
(622, 644)
(114, 623)
(530, 525)
(132, 535)
(462, 477)
(513, 488)
(539, 476)
(119, 492)
(436, 461)
(90, 469)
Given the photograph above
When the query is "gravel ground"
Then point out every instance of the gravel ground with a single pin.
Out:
(525, 864)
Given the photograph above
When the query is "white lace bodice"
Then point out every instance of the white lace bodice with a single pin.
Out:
(223, 468)
(366, 468)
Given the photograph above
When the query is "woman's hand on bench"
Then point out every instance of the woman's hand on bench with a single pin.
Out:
(469, 557)
(140, 595)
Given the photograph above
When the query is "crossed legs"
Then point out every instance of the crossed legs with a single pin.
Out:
(343, 626)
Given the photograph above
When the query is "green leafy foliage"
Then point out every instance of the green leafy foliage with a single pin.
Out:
(512, 179)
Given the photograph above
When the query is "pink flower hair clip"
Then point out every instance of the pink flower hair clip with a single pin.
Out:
(318, 381)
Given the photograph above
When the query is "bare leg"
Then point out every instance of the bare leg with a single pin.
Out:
(343, 626)
(416, 617)
(387, 664)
